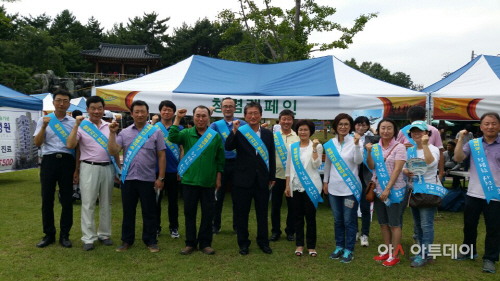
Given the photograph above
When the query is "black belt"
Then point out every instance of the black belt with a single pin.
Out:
(58, 155)
(96, 163)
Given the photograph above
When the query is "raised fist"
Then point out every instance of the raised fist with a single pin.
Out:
(315, 143)
(462, 134)
(155, 119)
(356, 138)
(368, 146)
(425, 140)
(181, 112)
(78, 120)
(236, 125)
(46, 121)
(113, 127)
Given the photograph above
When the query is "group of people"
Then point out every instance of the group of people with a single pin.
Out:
(257, 164)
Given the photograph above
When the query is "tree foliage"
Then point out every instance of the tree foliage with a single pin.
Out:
(272, 34)
(376, 70)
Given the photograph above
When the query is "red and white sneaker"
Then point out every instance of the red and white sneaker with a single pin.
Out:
(392, 261)
(381, 257)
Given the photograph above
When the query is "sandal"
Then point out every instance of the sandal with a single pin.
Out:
(313, 253)
(298, 253)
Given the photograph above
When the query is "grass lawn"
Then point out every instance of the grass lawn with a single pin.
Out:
(21, 229)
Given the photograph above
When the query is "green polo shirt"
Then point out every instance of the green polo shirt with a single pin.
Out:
(203, 171)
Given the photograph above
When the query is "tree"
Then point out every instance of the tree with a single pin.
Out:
(376, 70)
(273, 35)
(17, 78)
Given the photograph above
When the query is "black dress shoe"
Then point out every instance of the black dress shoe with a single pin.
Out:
(266, 250)
(274, 237)
(290, 237)
(244, 251)
(47, 240)
(64, 241)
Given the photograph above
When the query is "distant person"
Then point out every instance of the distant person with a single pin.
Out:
(450, 164)
(190, 124)
(108, 116)
(276, 127)
(58, 166)
(467, 137)
(143, 147)
(483, 194)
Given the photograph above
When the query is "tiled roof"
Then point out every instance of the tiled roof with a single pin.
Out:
(114, 51)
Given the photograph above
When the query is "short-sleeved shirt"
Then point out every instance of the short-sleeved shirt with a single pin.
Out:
(430, 175)
(213, 126)
(52, 143)
(434, 139)
(143, 166)
(492, 152)
(172, 161)
(90, 150)
(288, 139)
(399, 153)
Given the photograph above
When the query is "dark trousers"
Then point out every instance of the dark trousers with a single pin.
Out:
(226, 178)
(277, 195)
(171, 189)
(303, 207)
(193, 194)
(473, 209)
(132, 191)
(57, 170)
(364, 206)
(243, 201)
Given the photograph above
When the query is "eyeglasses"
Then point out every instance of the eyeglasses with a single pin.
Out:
(227, 106)
(61, 101)
(345, 125)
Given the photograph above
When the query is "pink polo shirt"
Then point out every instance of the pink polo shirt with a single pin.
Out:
(434, 139)
(90, 150)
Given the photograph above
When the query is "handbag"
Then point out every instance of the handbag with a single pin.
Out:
(370, 192)
(424, 200)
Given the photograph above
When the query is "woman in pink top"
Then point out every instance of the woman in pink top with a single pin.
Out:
(389, 217)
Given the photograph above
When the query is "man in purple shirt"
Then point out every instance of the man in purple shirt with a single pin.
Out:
(475, 201)
(140, 181)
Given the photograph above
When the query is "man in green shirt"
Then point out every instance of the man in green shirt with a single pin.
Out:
(201, 175)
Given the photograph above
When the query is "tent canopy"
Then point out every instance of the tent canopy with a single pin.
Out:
(315, 88)
(80, 102)
(468, 92)
(11, 98)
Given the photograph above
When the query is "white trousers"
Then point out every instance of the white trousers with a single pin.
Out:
(96, 181)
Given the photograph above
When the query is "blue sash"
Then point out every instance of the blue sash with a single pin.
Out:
(59, 129)
(396, 196)
(196, 150)
(419, 186)
(280, 148)
(100, 138)
(365, 156)
(343, 170)
(406, 132)
(223, 129)
(172, 146)
(304, 177)
(491, 191)
(256, 142)
(136, 145)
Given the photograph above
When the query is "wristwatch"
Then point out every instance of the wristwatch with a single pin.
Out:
(162, 179)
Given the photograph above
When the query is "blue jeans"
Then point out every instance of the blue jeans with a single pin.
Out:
(424, 227)
(345, 215)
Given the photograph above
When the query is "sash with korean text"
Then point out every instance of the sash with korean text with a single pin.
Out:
(343, 170)
(304, 177)
(196, 150)
(396, 196)
(132, 150)
(224, 130)
(100, 138)
(174, 148)
(256, 142)
(491, 191)
(420, 186)
(280, 148)
(406, 132)
(59, 129)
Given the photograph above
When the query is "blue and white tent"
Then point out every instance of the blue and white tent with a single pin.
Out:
(14, 99)
(468, 92)
(48, 106)
(317, 88)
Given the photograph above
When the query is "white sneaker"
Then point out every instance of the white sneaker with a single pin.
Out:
(364, 241)
(357, 236)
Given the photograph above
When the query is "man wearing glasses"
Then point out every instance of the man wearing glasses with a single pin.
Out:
(58, 166)
(224, 127)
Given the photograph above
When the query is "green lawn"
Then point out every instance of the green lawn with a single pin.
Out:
(21, 228)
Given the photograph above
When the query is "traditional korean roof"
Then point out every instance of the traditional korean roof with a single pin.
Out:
(120, 52)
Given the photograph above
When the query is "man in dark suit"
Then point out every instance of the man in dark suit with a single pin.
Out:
(252, 176)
